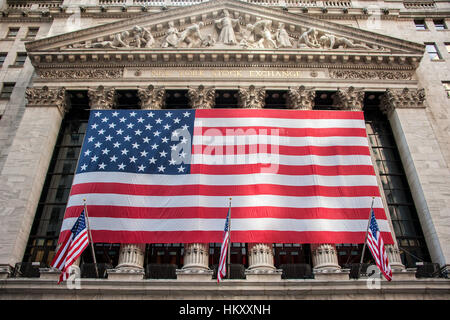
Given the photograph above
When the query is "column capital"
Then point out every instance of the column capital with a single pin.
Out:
(350, 99)
(101, 97)
(251, 97)
(402, 98)
(47, 97)
(301, 98)
(202, 97)
(152, 97)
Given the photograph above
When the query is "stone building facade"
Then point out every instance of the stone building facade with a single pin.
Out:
(389, 59)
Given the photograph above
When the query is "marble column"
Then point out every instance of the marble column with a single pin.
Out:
(251, 97)
(196, 255)
(419, 151)
(325, 263)
(202, 97)
(301, 98)
(23, 175)
(349, 99)
(102, 98)
(152, 97)
(260, 255)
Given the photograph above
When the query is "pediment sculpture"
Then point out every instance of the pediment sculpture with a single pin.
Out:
(227, 32)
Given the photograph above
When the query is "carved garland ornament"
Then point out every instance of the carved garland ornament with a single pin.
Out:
(82, 74)
(368, 74)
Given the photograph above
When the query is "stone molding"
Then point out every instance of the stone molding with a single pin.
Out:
(201, 97)
(301, 98)
(251, 97)
(152, 97)
(47, 97)
(350, 99)
(402, 98)
(101, 97)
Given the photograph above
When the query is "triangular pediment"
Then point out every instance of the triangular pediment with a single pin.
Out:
(223, 31)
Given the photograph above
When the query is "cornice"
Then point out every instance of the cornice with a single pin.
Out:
(207, 9)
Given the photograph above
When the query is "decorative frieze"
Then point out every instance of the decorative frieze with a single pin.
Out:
(349, 99)
(301, 98)
(101, 97)
(86, 73)
(402, 98)
(251, 97)
(202, 97)
(371, 74)
(152, 97)
(46, 96)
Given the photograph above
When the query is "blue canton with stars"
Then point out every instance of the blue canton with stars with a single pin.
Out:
(373, 225)
(138, 141)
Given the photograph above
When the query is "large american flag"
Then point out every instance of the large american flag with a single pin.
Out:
(164, 176)
(376, 247)
(72, 246)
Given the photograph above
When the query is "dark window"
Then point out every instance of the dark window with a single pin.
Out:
(324, 100)
(7, 90)
(2, 58)
(440, 24)
(32, 32)
(275, 99)
(127, 99)
(420, 24)
(20, 59)
(176, 99)
(226, 99)
(446, 85)
(12, 32)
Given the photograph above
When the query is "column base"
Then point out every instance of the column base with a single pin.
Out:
(331, 274)
(6, 271)
(125, 274)
(194, 274)
(263, 274)
(49, 274)
(405, 274)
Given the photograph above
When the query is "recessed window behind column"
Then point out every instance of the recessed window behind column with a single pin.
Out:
(226, 99)
(127, 99)
(177, 99)
(275, 99)
(324, 100)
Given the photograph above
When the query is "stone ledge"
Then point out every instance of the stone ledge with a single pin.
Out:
(194, 274)
(125, 274)
(263, 275)
(331, 274)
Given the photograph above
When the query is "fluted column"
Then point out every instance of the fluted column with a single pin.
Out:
(202, 97)
(25, 168)
(301, 98)
(260, 256)
(131, 256)
(152, 97)
(101, 97)
(251, 97)
(350, 99)
(196, 263)
(196, 256)
(324, 257)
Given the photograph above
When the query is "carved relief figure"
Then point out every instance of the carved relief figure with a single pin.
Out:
(142, 38)
(329, 41)
(171, 38)
(309, 39)
(262, 34)
(227, 26)
(117, 42)
(190, 35)
(282, 37)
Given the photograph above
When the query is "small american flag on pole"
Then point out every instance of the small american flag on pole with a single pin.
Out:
(221, 270)
(72, 247)
(376, 246)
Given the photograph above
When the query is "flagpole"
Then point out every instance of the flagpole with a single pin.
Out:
(90, 237)
(365, 238)
(229, 242)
